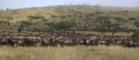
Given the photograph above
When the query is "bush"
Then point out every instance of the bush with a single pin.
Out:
(23, 24)
(136, 34)
(62, 25)
(137, 23)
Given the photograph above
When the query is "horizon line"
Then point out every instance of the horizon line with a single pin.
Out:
(71, 5)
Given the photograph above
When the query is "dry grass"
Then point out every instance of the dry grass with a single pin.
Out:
(69, 53)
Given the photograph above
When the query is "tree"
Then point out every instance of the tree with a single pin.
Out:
(62, 25)
(37, 17)
(23, 25)
(135, 35)
(137, 23)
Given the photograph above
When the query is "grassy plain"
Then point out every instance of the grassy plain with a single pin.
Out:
(69, 53)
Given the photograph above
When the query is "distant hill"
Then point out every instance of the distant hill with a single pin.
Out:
(87, 18)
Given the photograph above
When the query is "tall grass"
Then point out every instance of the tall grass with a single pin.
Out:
(69, 53)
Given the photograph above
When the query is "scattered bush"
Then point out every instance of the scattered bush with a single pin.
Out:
(62, 25)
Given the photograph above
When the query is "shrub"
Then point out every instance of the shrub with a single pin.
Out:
(23, 24)
(136, 34)
(62, 25)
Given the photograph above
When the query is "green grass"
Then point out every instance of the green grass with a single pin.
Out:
(69, 53)
(86, 17)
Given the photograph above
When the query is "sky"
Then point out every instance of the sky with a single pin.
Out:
(14, 4)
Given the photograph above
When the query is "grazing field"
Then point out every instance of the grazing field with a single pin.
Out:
(74, 32)
(69, 53)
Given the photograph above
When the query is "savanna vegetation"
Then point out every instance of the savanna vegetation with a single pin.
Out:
(69, 53)
(58, 33)
(86, 18)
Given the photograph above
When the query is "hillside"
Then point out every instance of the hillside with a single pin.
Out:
(87, 18)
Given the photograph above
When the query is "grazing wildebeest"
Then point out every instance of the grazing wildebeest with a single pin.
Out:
(11, 42)
(44, 42)
(94, 42)
(64, 38)
(27, 42)
(3, 41)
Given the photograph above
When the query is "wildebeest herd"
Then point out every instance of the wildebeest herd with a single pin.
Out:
(61, 39)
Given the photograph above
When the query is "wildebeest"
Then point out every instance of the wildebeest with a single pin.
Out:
(68, 39)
